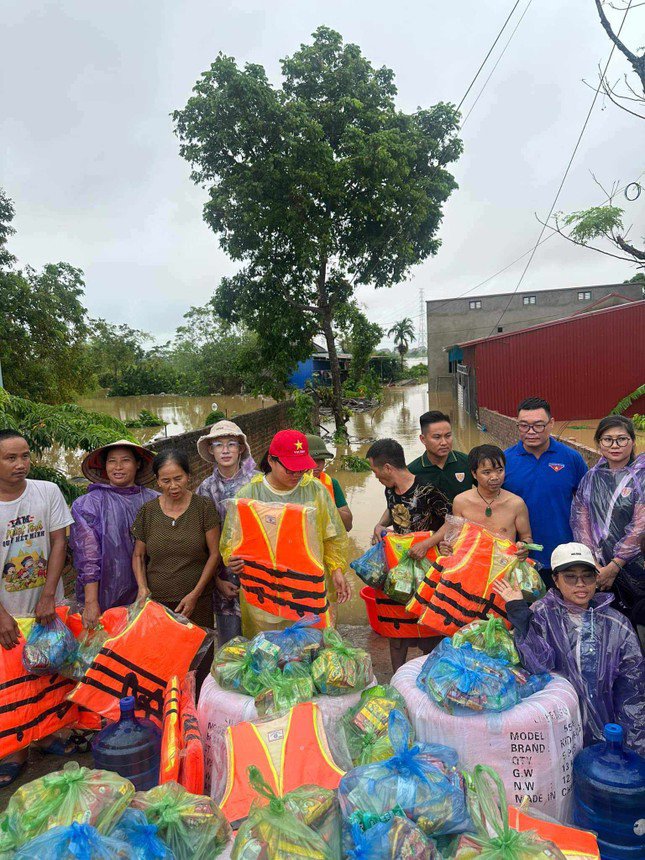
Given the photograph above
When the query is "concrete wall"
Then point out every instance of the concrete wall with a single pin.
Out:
(504, 429)
(259, 426)
(451, 321)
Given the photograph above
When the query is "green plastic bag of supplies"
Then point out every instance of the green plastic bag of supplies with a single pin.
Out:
(192, 826)
(404, 579)
(340, 668)
(232, 668)
(273, 832)
(285, 688)
(96, 797)
(76, 842)
(525, 576)
(366, 724)
(319, 809)
(489, 813)
(8, 838)
(489, 636)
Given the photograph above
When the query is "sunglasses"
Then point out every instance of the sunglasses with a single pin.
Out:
(588, 578)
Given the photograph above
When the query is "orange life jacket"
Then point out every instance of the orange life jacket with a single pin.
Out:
(191, 766)
(397, 622)
(170, 736)
(32, 707)
(282, 577)
(464, 590)
(304, 760)
(139, 662)
(573, 842)
(326, 481)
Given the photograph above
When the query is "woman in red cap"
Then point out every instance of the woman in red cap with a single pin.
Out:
(287, 479)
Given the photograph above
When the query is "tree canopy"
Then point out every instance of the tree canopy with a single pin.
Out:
(316, 186)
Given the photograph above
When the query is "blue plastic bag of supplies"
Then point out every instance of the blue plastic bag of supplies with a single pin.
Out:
(371, 567)
(463, 680)
(298, 643)
(397, 838)
(48, 647)
(422, 780)
(76, 842)
(142, 838)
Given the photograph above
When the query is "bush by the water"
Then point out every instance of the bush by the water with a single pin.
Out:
(146, 419)
(354, 463)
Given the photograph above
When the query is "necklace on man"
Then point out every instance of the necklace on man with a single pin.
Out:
(489, 508)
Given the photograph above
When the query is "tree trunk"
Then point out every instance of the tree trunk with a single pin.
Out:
(328, 331)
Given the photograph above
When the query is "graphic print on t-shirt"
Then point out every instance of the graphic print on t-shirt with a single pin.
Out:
(26, 562)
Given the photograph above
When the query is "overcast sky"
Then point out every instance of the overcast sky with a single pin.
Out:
(90, 159)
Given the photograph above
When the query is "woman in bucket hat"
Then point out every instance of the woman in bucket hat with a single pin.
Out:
(227, 448)
(100, 537)
(288, 478)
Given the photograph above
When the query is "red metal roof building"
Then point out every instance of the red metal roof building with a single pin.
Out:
(583, 365)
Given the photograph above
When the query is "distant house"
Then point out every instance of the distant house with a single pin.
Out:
(317, 367)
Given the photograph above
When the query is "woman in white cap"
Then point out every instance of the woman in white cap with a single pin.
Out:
(574, 631)
(227, 448)
(100, 537)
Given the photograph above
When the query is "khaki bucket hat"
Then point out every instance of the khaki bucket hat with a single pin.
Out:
(93, 466)
(222, 428)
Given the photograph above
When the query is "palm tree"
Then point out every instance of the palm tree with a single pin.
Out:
(403, 332)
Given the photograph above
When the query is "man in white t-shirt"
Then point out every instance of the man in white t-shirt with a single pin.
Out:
(33, 519)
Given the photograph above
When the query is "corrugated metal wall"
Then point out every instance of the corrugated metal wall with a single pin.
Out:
(582, 366)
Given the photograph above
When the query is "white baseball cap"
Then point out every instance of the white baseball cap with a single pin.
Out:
(568, 554)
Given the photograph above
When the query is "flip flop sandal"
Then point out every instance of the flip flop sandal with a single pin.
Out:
(12, 769)
(77, 743)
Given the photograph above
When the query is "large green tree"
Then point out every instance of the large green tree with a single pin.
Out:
(43, 325)
(114, 348)
(317, 186)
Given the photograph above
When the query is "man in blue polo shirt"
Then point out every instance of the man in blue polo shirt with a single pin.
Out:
(545, 473)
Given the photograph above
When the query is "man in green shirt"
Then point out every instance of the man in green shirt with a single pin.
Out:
(439, 465)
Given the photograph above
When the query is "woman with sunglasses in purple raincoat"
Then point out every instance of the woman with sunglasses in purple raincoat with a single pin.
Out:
(100, 537)
(574, 631)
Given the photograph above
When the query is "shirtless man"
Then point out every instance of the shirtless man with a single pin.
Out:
(486, 504)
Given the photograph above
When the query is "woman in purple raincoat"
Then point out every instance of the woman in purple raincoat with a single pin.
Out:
(100, 537)
(227, 448)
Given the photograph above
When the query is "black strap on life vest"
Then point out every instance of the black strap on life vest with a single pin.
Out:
(190, 728)
(277, 573)
(449, 617)
(281, 601)
(278, 586)
(60, 709)
(150, 701)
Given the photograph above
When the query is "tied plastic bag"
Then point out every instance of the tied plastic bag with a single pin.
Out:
(192, 826)
(421, 780)
(88, 645)
(273, 832)
(284, 689)
(395, 839)
(142, 838)
(8, 838)
(404, 579)
(48, 647)
(76, 842)
(73, 794)
(490, 816)
(366, 724)
(491, 637)
(462, 680)
(526, 577)
(340, 668)
(319, 809)
(371, 567)
(298, 643)
(232, 668)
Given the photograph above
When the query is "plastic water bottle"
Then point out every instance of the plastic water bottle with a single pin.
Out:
(131, 748)
(609, 796)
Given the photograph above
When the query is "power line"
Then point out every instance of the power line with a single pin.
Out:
(564, 178)
(492, 72)
(517, 3)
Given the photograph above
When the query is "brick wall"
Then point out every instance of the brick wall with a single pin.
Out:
(505, 432)
(259, 426)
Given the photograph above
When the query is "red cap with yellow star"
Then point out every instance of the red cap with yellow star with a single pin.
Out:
(292, 449)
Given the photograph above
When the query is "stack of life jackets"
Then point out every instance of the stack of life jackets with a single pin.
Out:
(460, 589)
(182, 748)
(32, 707)
(395, 621)
(139, 662)
(283, 561)
(290, 750)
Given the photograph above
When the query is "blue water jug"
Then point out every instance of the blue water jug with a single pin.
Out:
(131, 748)
(609, 796)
